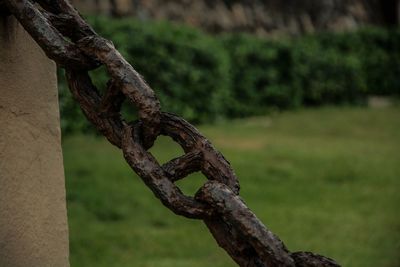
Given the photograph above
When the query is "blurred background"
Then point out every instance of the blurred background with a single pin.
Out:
(302, 97)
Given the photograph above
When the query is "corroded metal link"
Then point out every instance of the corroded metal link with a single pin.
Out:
(147, 167)
(233, 242)
(50, 40)
(214, 166)
(269, 248)
(233, 225)
(112, 100)
(122, 73)
(178, 168)
(63, 16)
(200, 156)
(90, 101)
(129, 82)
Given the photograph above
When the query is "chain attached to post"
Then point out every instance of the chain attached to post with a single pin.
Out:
(67, 39)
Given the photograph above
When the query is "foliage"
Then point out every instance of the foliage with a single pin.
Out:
(187, 69)
(326, 76)
(261, 75)
(204, 78)
(378, 51)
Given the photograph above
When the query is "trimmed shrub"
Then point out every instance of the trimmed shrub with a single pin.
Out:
(203, 77)
(261, 75)
(187, 69)
(381, 60)
(327, 76)
(378, 51)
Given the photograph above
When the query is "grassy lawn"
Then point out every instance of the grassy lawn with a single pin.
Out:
(325, 180)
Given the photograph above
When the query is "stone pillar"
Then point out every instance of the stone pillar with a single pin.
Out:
(33, 221)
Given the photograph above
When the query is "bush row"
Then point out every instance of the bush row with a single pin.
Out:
(203, 77)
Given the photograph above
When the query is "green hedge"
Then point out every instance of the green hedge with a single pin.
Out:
(326, 76)
(203, 77)
(261, 79)
(187, 69)
(378, 51)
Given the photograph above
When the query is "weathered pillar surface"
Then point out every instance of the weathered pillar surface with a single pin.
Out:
(33, 221)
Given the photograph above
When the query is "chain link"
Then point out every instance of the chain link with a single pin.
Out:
(67, 39)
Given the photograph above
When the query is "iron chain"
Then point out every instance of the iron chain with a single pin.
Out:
(67, 39)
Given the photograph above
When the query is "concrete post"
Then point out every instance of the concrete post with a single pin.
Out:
(33, 221)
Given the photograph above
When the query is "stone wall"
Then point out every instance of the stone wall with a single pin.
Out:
(261, 17)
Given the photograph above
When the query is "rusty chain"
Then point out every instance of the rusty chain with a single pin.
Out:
(67, 39)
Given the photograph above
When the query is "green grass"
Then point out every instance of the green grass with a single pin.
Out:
(324, 180)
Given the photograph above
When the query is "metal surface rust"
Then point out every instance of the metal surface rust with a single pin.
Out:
(67, 39)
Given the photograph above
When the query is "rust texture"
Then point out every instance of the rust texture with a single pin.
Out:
(67, 39)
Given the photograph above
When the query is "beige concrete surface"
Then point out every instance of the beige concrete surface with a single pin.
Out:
(33, 221)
